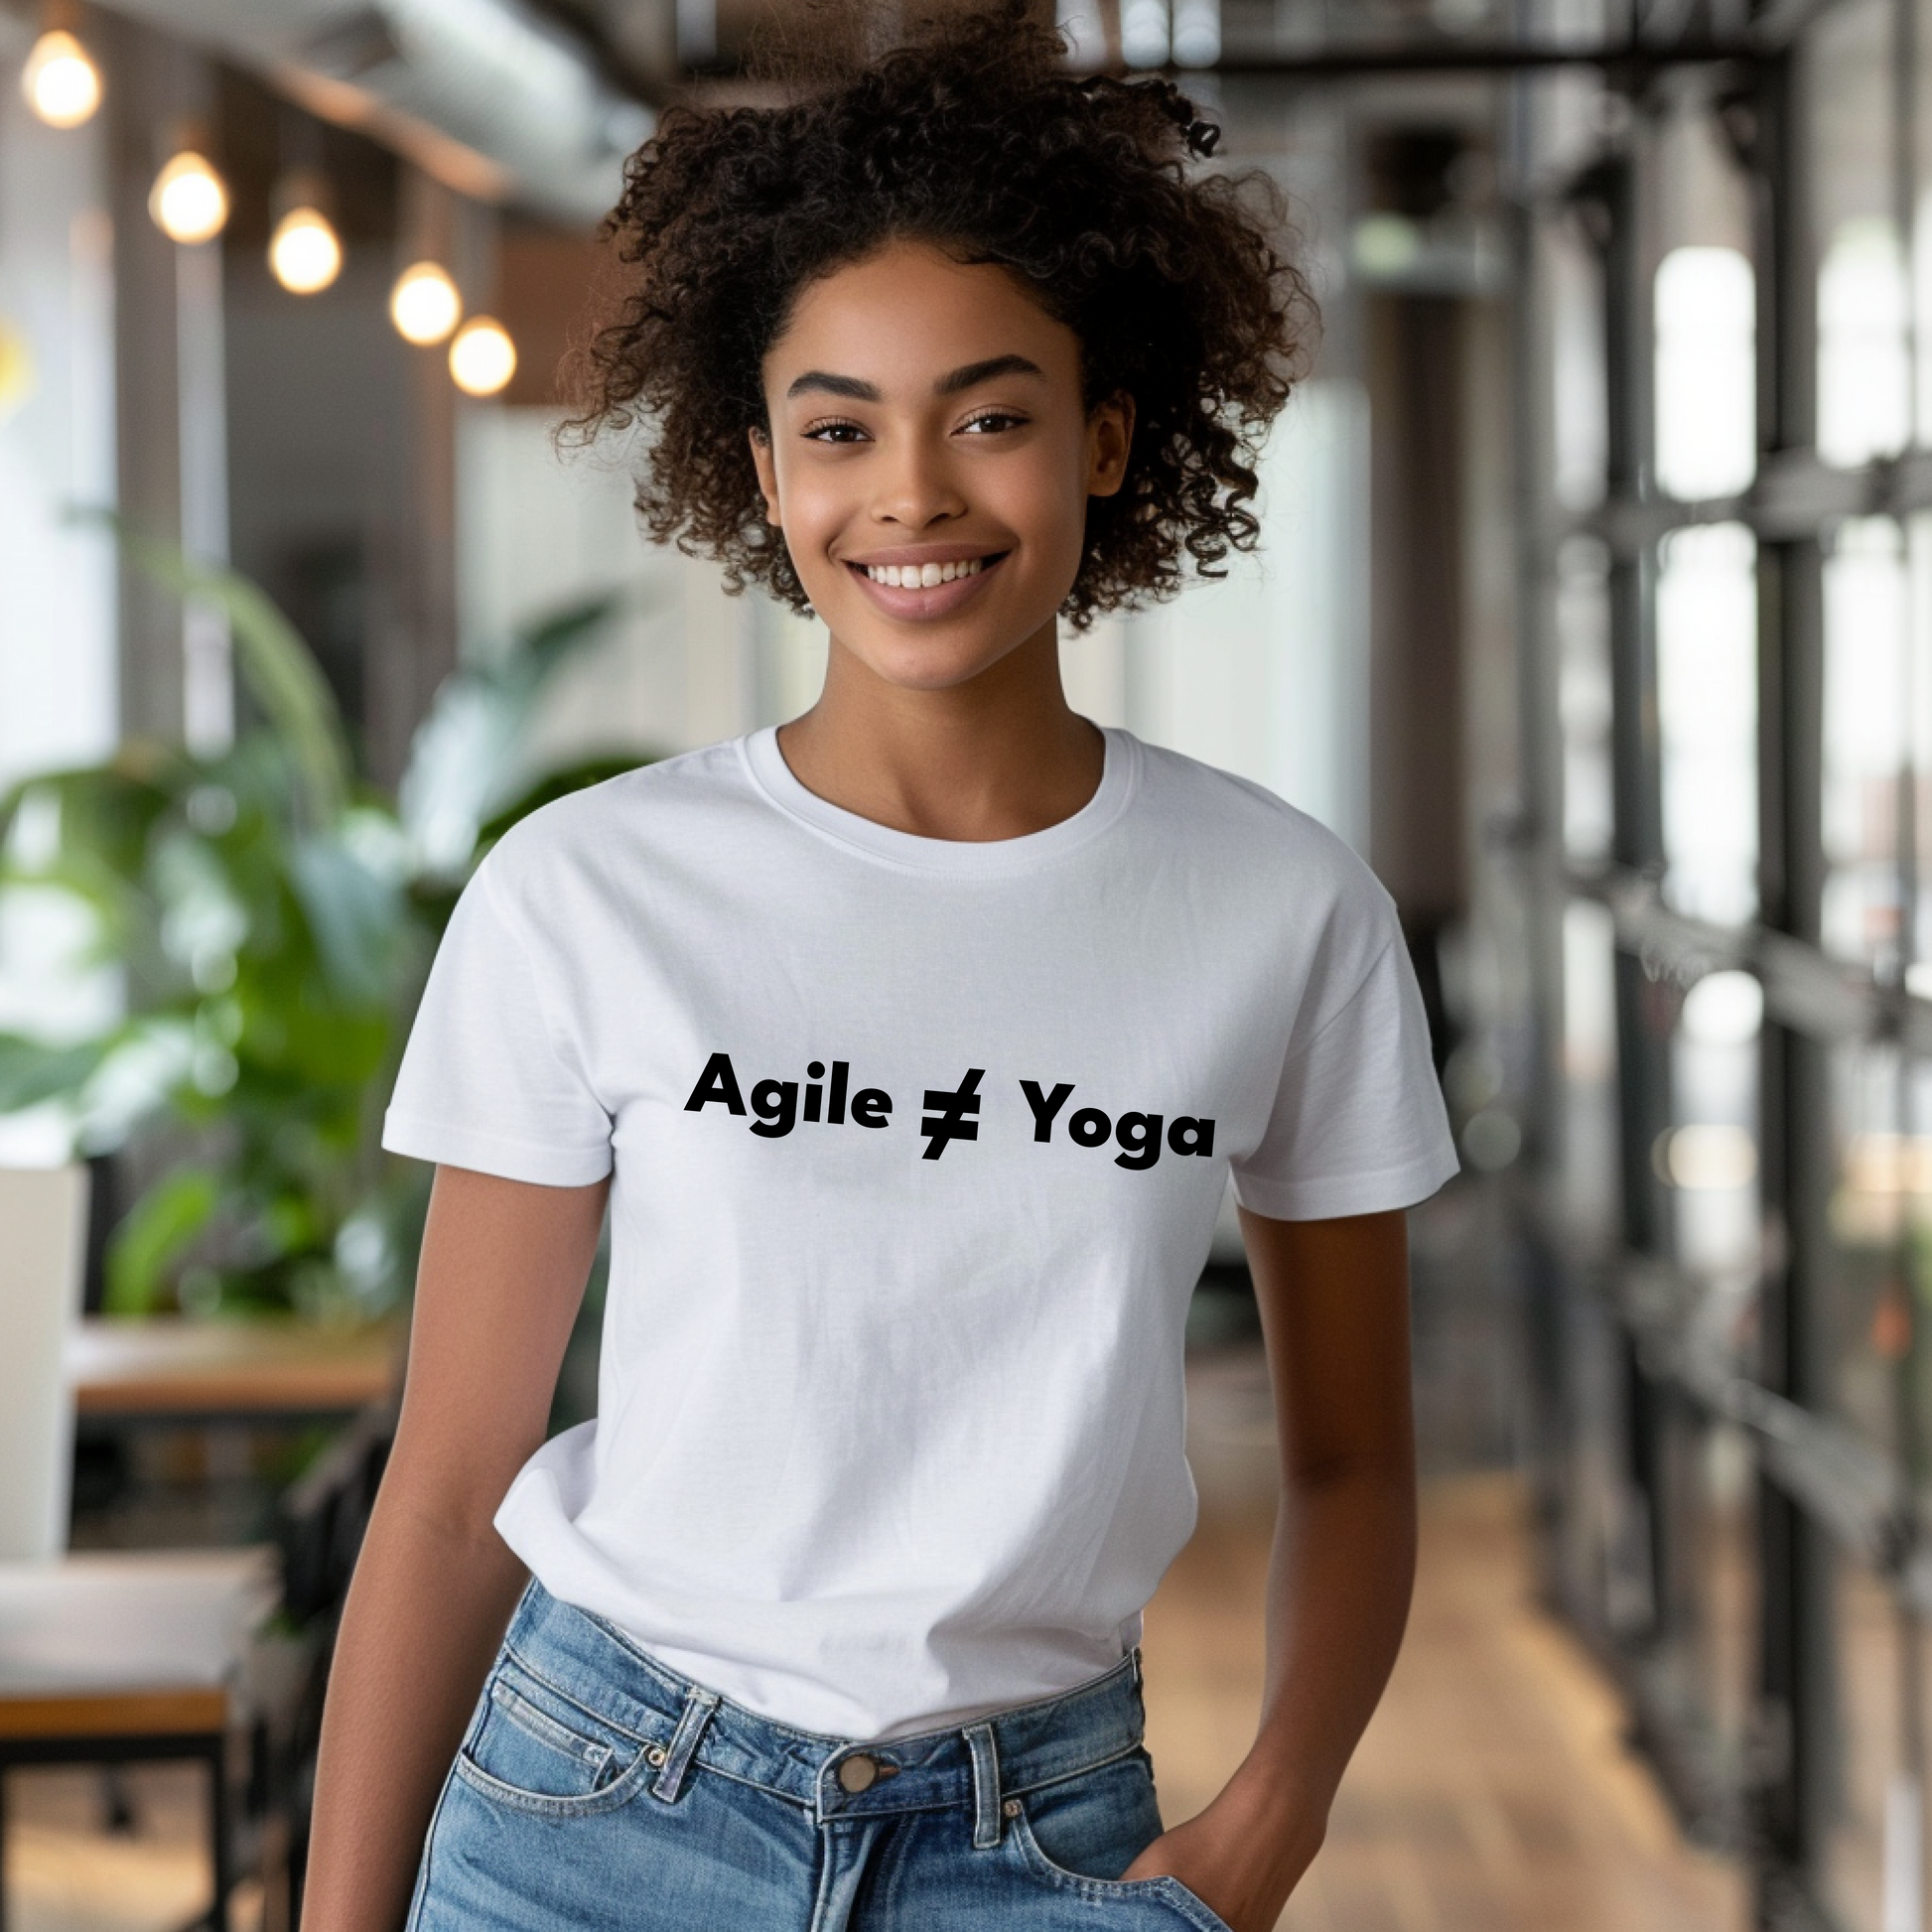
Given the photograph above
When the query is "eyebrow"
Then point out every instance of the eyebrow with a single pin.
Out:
(974, 373)
(824, 383)
(854, 390)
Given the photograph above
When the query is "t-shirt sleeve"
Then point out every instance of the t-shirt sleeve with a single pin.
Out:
(1358, 1124)
(489, 1080)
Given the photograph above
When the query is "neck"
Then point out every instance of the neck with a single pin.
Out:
(995, 758)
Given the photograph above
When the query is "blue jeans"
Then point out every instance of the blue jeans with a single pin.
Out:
(596, 1789)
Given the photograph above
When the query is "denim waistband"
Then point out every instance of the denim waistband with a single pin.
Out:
(682, 1724)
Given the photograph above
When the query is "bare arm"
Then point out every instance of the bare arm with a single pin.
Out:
(1334, 1308)
(503, 1272)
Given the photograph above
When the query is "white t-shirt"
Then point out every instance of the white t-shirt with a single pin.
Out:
(917, 1146)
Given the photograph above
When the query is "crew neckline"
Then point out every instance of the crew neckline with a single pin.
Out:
(774, 777)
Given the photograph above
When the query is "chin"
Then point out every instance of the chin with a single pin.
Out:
(922, 673)
(927, 661)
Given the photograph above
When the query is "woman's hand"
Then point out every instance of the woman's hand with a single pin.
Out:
(1334, 1310)
(1241, 1858)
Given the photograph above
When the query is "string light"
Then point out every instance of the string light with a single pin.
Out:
(424, 304)
(60, 83)
(482, 358)
(189, 199)
(304, 253)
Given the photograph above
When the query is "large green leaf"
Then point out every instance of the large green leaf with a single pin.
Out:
(353, 914)
(32, 1072)
(277, 666)
(105, 812)
(269, 921)
(464, 761)
(160, 1228)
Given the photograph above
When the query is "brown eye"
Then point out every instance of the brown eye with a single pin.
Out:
(993, 421)
(834, 432)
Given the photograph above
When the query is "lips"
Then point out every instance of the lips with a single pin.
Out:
(923, 602)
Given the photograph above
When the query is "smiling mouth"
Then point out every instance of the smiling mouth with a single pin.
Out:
(927, 576)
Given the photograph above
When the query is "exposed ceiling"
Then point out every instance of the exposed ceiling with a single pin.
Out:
(493, 96)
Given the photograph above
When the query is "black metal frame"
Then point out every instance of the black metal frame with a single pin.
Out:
(1820, 1489)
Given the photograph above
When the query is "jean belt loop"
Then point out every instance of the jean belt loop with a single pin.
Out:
(683, 1746)
(1138, 1673)
(986, 1787)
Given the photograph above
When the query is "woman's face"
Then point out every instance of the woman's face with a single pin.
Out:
(931, 460)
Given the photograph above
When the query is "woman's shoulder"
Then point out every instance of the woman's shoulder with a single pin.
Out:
(1238, 825)
(653, 792)
(599, 832)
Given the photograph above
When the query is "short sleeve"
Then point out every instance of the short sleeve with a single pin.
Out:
(488, 1079)
(1358, 1124)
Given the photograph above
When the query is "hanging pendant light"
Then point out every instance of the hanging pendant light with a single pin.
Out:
(482, 358)
(60, 81)
(304, 253)
(424, 304)
(188, 201)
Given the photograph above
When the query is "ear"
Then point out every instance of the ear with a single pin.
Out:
(768, 475)
(1110, 437)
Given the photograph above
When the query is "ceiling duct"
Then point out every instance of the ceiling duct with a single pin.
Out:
(488, 95)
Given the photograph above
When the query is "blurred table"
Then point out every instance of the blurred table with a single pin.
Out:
(109, 1658)
(169, 1367)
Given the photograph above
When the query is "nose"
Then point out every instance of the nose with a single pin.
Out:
(916, 489)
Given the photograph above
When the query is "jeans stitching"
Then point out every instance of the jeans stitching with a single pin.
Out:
(701, 1762)
(420, 1898)
(537, 1724)
(610, 1797)
(681, 1688)
(575, 1703)
(1169, 1889)
(1082, 1771)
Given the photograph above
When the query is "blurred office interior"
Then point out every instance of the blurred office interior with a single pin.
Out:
(1594, 607)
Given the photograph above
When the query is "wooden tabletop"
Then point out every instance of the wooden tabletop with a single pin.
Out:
(127, 1641)
(171, 1365)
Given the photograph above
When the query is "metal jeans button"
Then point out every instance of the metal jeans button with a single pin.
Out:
(859, 1772)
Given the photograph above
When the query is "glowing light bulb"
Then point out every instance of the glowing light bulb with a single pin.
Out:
(482, 358)
(304, 254)
(62, 84)
(424, 304)
(189, 199)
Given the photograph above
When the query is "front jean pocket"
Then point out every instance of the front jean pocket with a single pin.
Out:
(535, 1749)
(1164, 1892)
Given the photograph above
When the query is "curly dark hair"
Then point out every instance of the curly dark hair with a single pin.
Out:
(973, 136)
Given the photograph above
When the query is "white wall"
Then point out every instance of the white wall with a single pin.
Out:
(58, 684)
(58, 688)
(536, 531)
(1266, 673)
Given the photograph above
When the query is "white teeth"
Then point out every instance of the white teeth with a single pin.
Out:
(923, 576)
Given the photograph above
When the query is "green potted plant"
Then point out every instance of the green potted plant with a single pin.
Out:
(269, 917)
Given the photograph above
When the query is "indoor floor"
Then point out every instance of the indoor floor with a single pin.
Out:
(1494, 1791)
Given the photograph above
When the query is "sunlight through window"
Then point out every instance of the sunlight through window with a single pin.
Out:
(1863, 373)
(1707, 388)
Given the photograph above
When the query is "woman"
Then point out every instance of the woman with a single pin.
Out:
(911, 1046)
